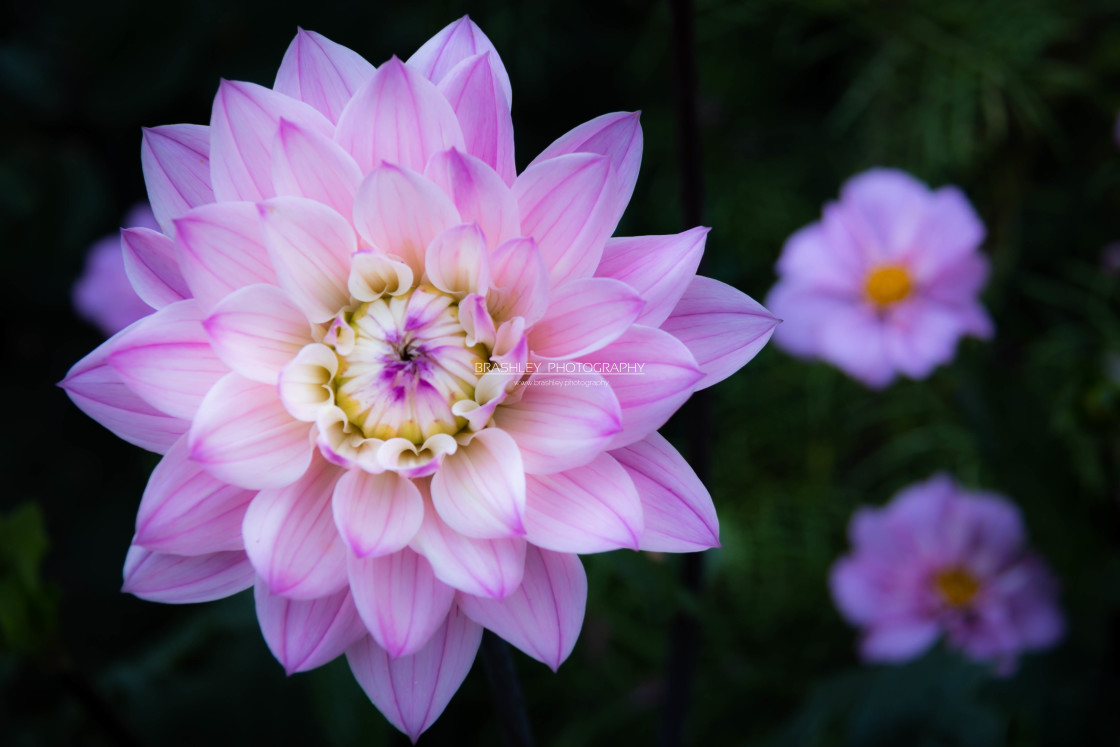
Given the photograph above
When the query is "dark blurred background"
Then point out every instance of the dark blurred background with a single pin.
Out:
(1013, 100)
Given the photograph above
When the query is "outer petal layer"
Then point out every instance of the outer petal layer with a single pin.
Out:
(659, 268)
(166, 359)
(544, 616)
(186, 511)
(454, 43)
(617, 136)
(151, 267)
(482, 567)
(321, 73)
(243, 126)
(412, 691)
(592, 508)
(305, 634)
(397, 117)
(99, 392)
(679, 514)
(567, 206)
(291, 539)
(176, 160)
(561, 422)
(721, 326)
(185, 579)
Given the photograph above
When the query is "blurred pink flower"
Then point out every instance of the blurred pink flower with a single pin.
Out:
(940, 560)
(102, 294)
(886, 283)
(397, 385)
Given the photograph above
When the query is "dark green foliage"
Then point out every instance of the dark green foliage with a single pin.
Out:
(1012, 100)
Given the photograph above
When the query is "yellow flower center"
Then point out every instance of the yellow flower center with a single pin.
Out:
(957, 587)
(407, 365)
(887, 285)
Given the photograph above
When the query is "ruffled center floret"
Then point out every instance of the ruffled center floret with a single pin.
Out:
(404, 373)
(408, 364)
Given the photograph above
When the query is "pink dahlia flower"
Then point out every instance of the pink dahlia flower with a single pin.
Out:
(886, 283)
(398, 386)
(103, 295)
(943, 561)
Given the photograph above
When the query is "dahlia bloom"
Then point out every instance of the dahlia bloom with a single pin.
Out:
(398, 386)
(102, 295)
(886, 283)
(940, 560)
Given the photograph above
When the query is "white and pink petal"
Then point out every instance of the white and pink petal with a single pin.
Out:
(256, 331)
(479, 194)
(304, 634)
(152, 268)
(399, 212)
(457, 261)
(308, 164)
(593, 508)
(220, 248)
(474, 90)
(185, 579)
(412, 691)
(561, 421)
(321, 73)
(618, 136)
(544, 616)
(397, 117)
(167, 360)
(310, 246)
(678, 510)
(482, 567)
(454, 43)
(176, 161)
(583, 316)
(659, 268)
(479, 490)
(98, 391)
(520, 282)
(376, 514)
(243, 435)
(722, 327)
(652, 373)
(185, 511)
(568, 206)
(400, 600)
(291, 539)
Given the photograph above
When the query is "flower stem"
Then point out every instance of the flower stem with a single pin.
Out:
(508, 701)
(684, 635)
